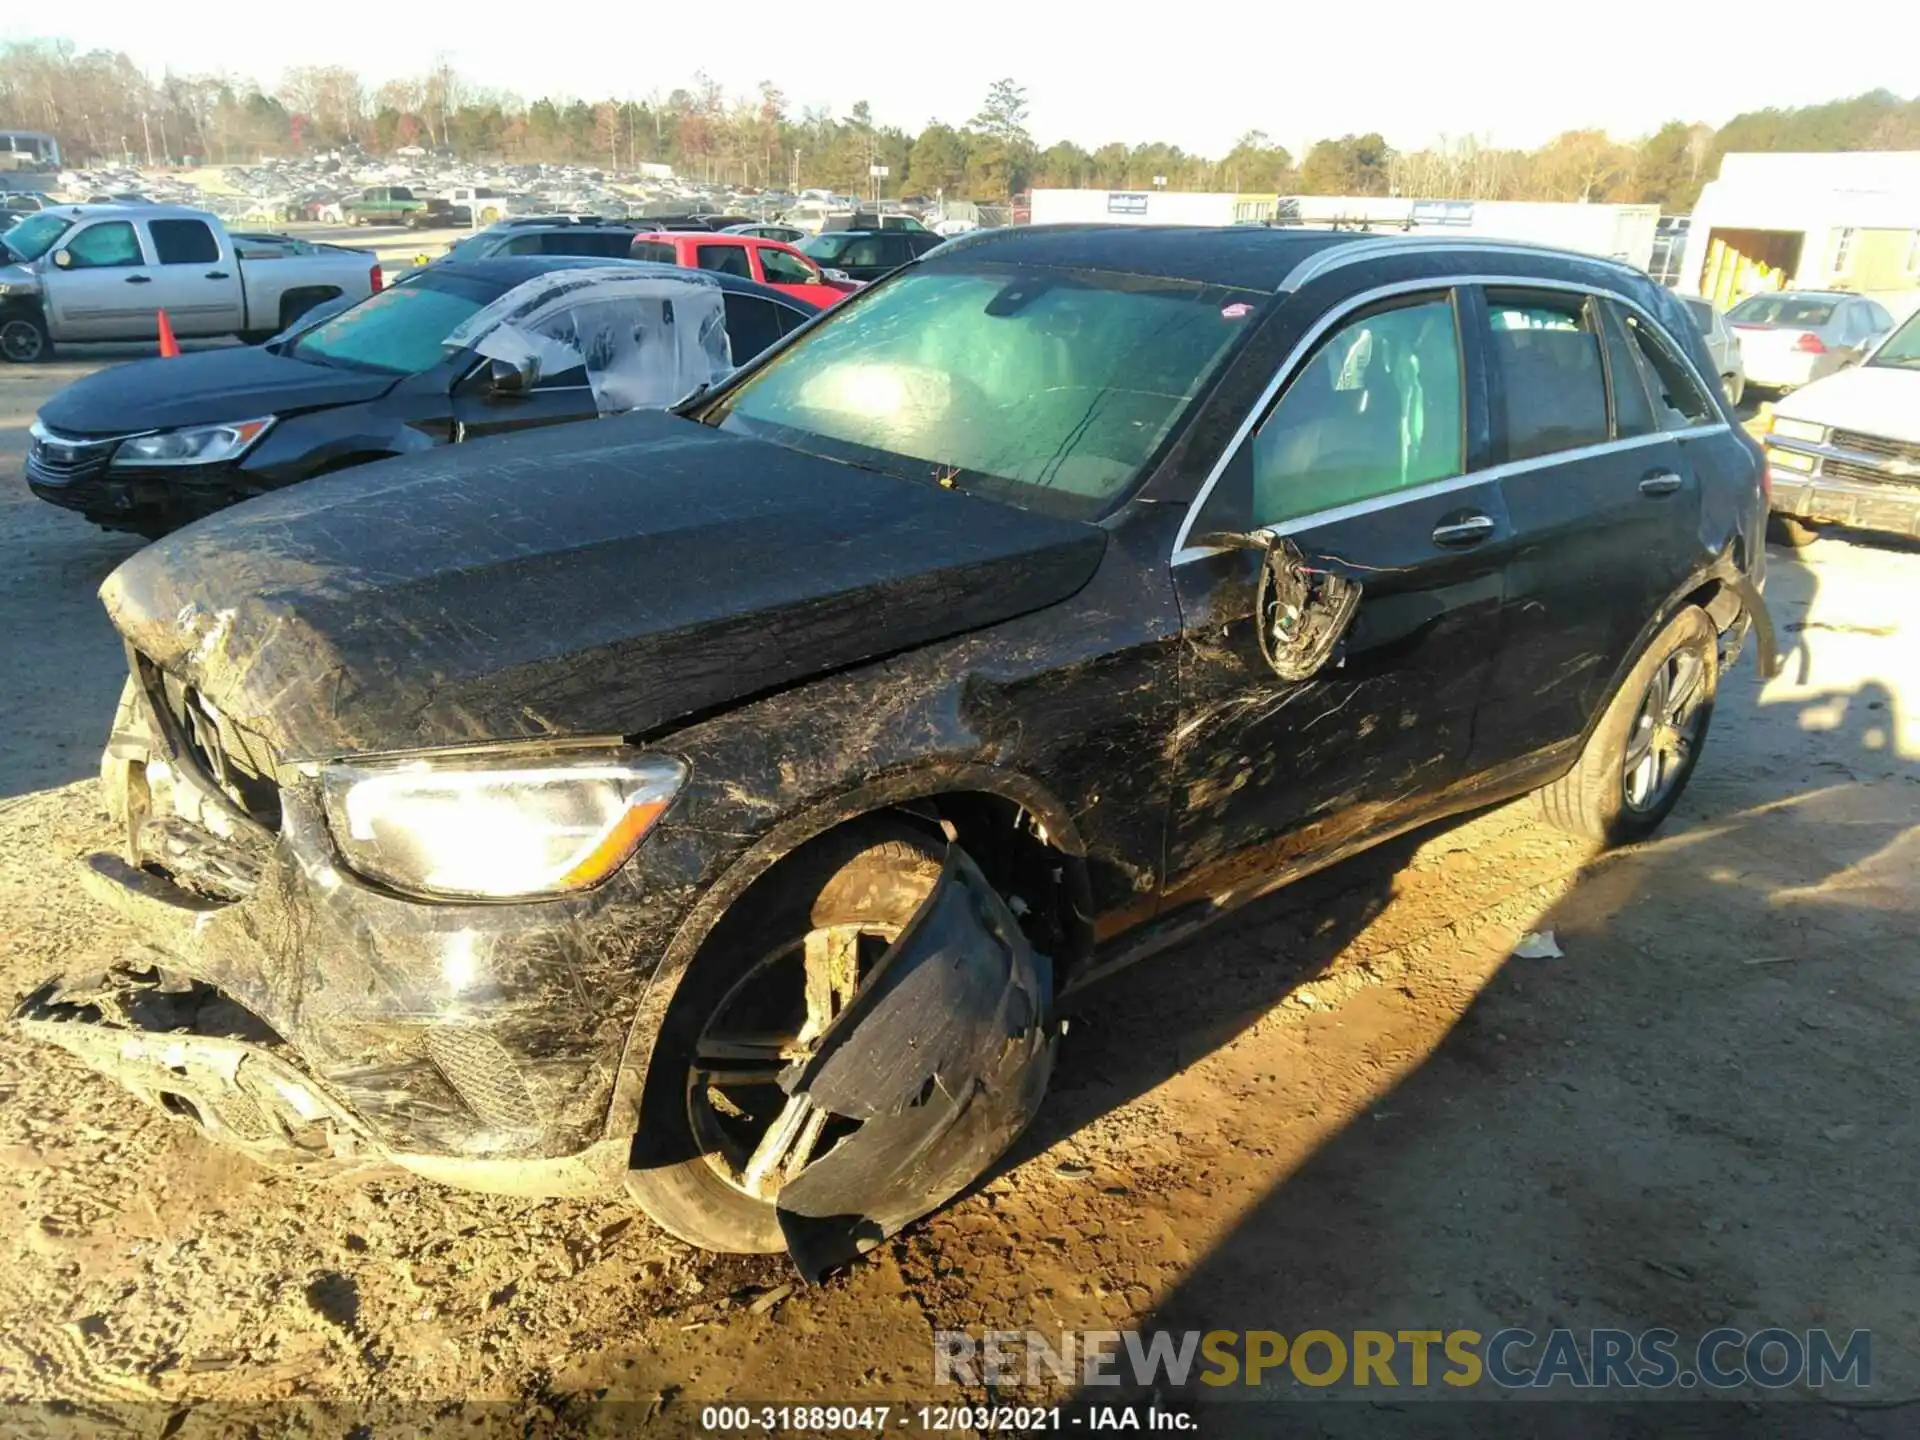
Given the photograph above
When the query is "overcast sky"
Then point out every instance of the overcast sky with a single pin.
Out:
(1196, 74)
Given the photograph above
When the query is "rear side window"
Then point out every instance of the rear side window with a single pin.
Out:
(752, 325)
(586, 242)
(1546, 352)
(1795, 310)
(1376, 409)
(183, 242)
(725, 259)
(1678, 402)
(658, 251)
(1632, 410)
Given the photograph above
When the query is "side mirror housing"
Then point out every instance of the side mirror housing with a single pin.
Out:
(63, 259)
(508, 378)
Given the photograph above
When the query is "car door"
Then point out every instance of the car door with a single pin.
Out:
(103, 291)
(197, 286)
(1603, 499)
(1364, 472)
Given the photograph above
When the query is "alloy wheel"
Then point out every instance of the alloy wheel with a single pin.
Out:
(754, 1135)
(1666, 732)
(21, 341)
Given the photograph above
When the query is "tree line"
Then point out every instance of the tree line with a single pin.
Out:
(103, 108)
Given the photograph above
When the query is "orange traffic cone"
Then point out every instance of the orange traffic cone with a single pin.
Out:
(168, 345)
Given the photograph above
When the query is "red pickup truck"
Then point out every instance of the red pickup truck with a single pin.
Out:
(771, 262)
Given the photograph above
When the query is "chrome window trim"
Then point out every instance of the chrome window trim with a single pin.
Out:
(1183, 552)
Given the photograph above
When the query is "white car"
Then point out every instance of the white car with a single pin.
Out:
(1790, 338)
(1846, 449)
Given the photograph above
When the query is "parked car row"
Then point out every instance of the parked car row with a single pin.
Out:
(706, 805)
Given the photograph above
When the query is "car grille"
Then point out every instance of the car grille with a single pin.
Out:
(1877, 446)
(68, 460)
(1865, 474)
(227, 755)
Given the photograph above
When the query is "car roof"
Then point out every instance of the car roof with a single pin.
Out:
(1244, 256)
(507, 271)
(129, 212)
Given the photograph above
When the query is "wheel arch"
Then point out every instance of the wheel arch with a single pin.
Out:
(961, 800)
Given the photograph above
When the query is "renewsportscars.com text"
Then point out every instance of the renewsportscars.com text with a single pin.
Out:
(1513, 1358)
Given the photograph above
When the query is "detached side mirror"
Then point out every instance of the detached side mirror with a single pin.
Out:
(63, 259)
(512, 379)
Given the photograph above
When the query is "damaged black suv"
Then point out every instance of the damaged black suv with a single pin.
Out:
(709, 805)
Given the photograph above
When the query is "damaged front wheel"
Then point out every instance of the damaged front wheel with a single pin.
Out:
(718, 1135)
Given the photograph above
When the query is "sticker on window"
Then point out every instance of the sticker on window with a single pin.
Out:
(1235, 310)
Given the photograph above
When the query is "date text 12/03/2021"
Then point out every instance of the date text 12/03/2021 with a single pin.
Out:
(940, 1419)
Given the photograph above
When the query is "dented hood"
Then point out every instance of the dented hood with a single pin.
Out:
(600, 578)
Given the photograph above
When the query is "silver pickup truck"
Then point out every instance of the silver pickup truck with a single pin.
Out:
(104, 272)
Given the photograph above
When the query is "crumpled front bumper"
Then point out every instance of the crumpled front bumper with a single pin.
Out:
(475, 1043)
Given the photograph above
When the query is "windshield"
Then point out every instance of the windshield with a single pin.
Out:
(1048, 388)
(1796, 310)
(35, 236)
(402, 331)
(1900, 351)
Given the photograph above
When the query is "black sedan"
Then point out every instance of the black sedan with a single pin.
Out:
(706, 806)
(460, 350)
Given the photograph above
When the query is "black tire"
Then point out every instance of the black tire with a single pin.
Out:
(1791, 531)
(872, 872)
(24, 339)
(1593, 799)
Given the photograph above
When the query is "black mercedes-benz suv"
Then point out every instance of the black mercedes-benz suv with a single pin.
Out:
(709, 805)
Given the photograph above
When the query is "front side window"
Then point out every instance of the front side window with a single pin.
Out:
(107, 246)
(399, 331)
(1376, 409)
(784, 269)
(183, 242)
(1545, 352)
(1050, 388)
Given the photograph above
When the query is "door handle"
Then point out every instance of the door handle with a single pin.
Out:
(1469, 530)
(139, 279)
(215, 275)
(1661, 482)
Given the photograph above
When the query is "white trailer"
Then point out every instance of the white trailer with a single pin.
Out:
(1132, 207)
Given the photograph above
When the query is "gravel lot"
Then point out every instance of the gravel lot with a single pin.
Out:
(1348, 1108)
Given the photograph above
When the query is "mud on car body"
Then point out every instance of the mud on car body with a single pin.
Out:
(712, 803)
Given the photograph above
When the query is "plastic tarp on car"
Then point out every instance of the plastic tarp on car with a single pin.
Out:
(644, 340)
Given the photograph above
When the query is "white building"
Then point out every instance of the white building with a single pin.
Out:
(1848, 221)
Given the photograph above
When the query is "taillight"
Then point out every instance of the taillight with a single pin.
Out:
(377, 280)
(1810, 344)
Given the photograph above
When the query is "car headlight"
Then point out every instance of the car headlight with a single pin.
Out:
(1798, 430)
(195, 445)
(508, 826)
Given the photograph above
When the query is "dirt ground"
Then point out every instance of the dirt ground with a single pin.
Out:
(1347, 1108)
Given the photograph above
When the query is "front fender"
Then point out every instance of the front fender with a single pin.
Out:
(910, 779)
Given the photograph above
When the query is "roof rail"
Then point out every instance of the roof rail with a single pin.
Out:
(1334, 256)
